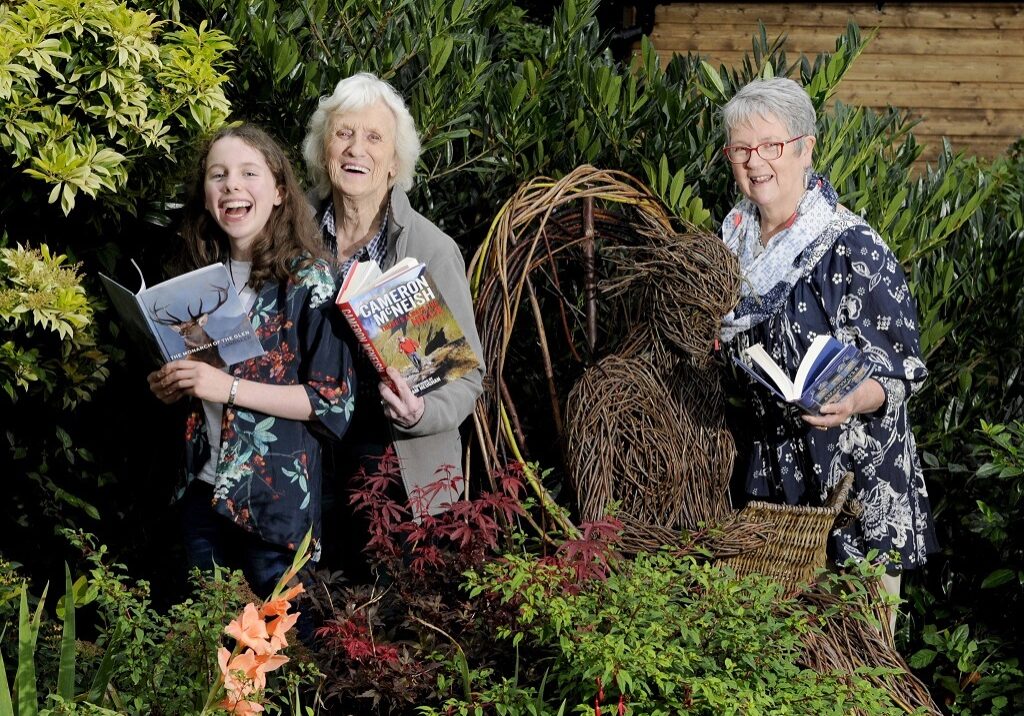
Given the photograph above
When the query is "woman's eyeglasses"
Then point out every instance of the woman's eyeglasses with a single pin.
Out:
(766, 150)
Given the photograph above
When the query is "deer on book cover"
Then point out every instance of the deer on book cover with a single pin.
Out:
(199, 345)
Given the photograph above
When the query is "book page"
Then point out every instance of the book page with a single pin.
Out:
(137, 327)
(360, 277)
(399, 268)
(142, 278)
(820, 353)
(839, 378)
(760, 356)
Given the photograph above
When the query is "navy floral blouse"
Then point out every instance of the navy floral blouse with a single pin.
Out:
(270, 469)
(857, 293)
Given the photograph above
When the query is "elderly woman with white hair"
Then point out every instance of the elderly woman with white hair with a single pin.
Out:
(361, 151)
(811, 267)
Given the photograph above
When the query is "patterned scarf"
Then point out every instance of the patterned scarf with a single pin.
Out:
(770, 272)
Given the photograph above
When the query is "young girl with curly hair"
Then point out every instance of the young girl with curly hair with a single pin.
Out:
(254, 455)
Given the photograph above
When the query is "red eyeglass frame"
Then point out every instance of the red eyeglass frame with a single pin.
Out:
(757, 149)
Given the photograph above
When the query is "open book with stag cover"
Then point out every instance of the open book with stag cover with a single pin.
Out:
(195, 316)
(401, 319)
(828, 372)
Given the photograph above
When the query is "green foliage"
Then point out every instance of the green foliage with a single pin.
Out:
(973, 673)
(91, 92)
(24, 701)
(999, 486)
(971, 595)
(667, 634)
(497, 99)
(47, 328)
(145, 661)
(166, 660)
(980, 673)
(49, 355)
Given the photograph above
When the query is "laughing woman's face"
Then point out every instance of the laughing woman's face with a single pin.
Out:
(361, 153)
(774, 185)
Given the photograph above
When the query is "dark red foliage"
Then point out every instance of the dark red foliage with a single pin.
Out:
(353, 639)
(590, 555)
(377, 640)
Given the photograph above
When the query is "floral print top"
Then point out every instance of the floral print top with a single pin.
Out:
(856, 292)
(270, 469)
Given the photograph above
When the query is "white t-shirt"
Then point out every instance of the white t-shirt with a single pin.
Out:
(239, 271)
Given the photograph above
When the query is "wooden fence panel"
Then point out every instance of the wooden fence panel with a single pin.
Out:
(959, 67)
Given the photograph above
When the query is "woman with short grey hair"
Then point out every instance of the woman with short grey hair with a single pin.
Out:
(361, 152)
(811, 267)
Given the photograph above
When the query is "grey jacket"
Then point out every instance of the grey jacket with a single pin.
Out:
(434, 441)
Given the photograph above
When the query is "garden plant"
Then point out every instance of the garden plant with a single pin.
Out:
(101, 105)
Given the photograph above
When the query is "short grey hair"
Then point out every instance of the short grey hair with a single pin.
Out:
(350, 95)
(778, 97)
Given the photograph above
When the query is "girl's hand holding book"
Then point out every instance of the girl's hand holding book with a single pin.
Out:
(189, 377)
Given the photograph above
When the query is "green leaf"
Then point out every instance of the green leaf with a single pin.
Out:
(712, 78)
(6, 706)
(26, 698)
(66, 670)
(676, 189)
(518, 94)
(439, 54)
(922, 658)
(106, 669)
(456, 10)
(998, 577)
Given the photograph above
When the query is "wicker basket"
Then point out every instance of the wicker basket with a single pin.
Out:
(796, 548)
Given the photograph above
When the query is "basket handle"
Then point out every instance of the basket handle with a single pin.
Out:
(840, 492)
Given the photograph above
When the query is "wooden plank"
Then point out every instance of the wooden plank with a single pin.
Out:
(895, 41)
(968, 121)
(969, 146)
(900, 68)
(937, 94)
(983, 146)
(1008, 16)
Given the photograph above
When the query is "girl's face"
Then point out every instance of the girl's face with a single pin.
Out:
(241, 191)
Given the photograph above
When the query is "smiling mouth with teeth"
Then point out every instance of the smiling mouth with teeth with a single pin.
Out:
(356, 169)
(237, 208)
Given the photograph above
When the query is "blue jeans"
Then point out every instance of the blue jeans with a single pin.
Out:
(212, 538)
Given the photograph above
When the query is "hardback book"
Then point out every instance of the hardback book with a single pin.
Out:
(401, 319)
(828, 372)
(195, 316)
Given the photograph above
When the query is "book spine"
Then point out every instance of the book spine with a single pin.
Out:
(849, 374)
(367, 344)
(162, 348)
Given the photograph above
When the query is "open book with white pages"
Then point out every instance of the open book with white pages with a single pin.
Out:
(828, 372)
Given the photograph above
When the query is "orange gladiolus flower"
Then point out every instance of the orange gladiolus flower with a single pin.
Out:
(240, 673)
(250, 630)
(282, 604)
(277, 628)
(245, 675)
(241, 708)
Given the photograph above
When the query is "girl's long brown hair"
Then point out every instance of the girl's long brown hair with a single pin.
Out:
(289, 241)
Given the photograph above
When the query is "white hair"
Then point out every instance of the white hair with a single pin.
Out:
(778, 97)
(350, 95)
